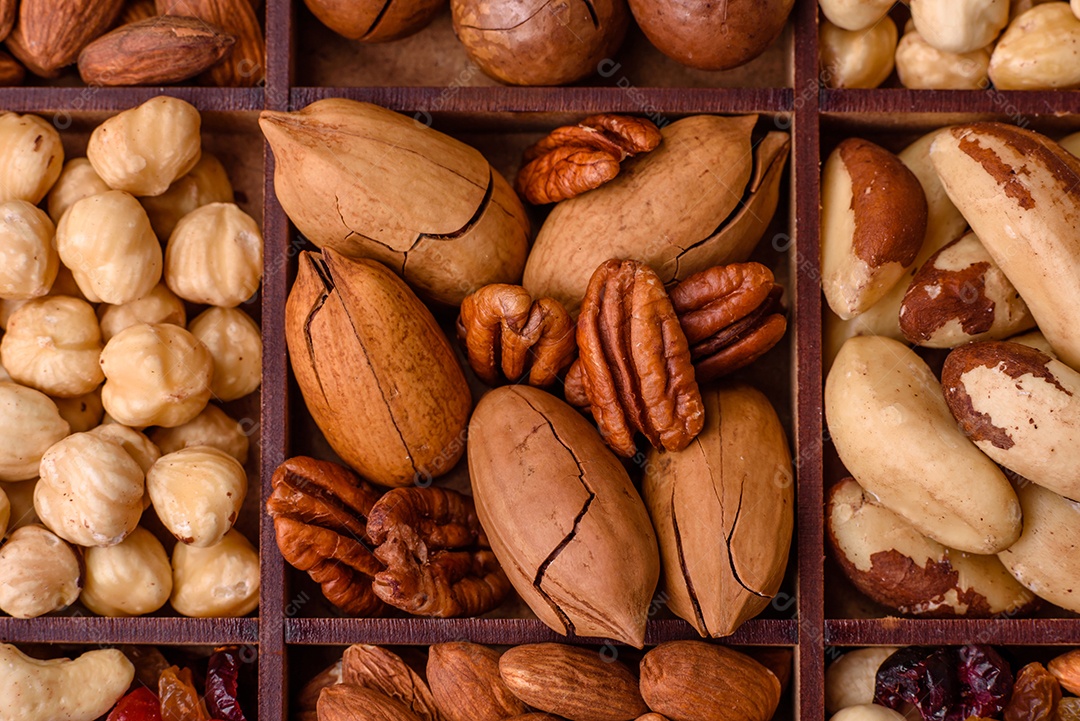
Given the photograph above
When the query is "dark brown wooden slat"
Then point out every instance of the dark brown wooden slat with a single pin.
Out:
(90, 99)
(904, 631)
(93, 629)
(902, 100)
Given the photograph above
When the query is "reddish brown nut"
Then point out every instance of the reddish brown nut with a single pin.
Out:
(438, 560)
(574, 159)
(1066, 669)
(1035, 696)
(636, 368)
(507, 333)
(11, 72)
(320, 514)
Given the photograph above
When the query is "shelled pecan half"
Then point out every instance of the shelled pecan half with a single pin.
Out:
(506, 333)
(320, 512)
(574, 159)
(438, 560)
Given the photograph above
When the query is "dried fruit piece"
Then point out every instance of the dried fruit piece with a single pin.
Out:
(923, 677)
(179, 699)
(1035, 697)
(223, 671)
(985, 681)
(140, 705)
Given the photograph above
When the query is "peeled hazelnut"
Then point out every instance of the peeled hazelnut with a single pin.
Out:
(206, 183)
(141, 449)
(197, 493)
(867, 712)
(5, 512)
(31, 156)
(922, 66)
(857, 58)
(959, 26)
(155, 375)
(215, 256)
(129, 579)
(81, 412)
(849, 680)
(144, 149)
(221, 580)
(28, 259)
(53, 344)
(39, 573)
(20, 497)
(107, 242)
(235, 344)
(91, 490)
(158, 306)
(78, 180)
(1038, 51)
(855, 14)
(212, 428)
(29, 425)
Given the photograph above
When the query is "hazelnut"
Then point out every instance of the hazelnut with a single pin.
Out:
(107, 242)
(141, 449)
(78, 180)
(160, 305)
(155, 375)
(129, 579)
(31, 156)
(923, 67)
(29, 425)
(91, 490)
(867, 712)
(857, 58)
(63, 285)
(855, 14)
(235, 344)
(81, 412)
(53, 344)
(144, 149)
(212, 428)
(20, 496)
(849, 680)
(206, 183)
(39, 573)
(197, 493)
(221, 580)
(5, 512)
(215, 256)
(28, 259)
(5, 377)
(959, 26)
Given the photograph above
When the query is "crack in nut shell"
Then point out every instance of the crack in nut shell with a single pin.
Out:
(506, 332)
(574, 159)
(320, 512)
(438, 560)
(635, 360)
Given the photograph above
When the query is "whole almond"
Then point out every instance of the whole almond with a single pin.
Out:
(50, 34)
(345, 703)
(1066, 668)
(573, 682)
(378, 669)
(160, 50)
(464, 679)
(246, 66)
(7, 17)
(136, 10)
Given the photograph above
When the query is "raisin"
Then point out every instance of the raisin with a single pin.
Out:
(140, 705)
(179, 698)
(1069, 709)
(923, 677)
(985, 682)
(1035, 697)
(221, 686)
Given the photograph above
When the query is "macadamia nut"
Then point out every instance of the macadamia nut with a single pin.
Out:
(31, 157)
(235, 344)
(81, 412)
(213, 427)
(28, 259)
(221, 580)
(53, 344)
(29, 425)
(129, 579)
(859, 58)
(77, 181)
(155, 375)
(158, 306)
(215, 256)
(197, 493)
(39, 573)
(206, 183)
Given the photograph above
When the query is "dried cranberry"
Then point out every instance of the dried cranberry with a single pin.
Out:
(985, 682)
(140, 705)
(221, 686)
(923, 677)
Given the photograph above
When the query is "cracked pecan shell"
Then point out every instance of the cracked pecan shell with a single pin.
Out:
(574, 159)
(506, 334)
(438, 560)
(320, 514)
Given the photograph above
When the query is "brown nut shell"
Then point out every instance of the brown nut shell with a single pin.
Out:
(465, 681)
(341, 702)
(374, 21)
(46, 37)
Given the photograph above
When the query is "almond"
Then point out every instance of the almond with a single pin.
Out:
(1066, 668)
(7, 17)
(346, 703)
(378, 669)
(246, 66)
(573, 682)
(464, 679)
(157, 51)
(136, 10)
(11, 72)
(50, 34)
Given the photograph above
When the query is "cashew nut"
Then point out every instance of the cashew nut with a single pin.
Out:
(62, 689)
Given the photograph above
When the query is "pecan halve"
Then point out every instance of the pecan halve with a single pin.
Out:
(731, 316)
(506, 332)
(576, 158)
(635, 360)
(320, 512)
(438, 560)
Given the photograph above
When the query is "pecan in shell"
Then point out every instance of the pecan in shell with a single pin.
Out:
(438, 560)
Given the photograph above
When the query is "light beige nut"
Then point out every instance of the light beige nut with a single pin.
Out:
(53, 344)
(855, 14)
(857, 58)
(77, 180)
(90, 492)
(873, 223)
(63, 285)
(850, 679)
(197, 493)
(29, 425)
(880, 395)
(81, 412)
(235, 344)
(208, 182)
(1075, 5)
(155, 375)
(215, 256)
(921, 66)
(20, 496)
(1046, 558)
(39, 573)
(213, 427)
(5, 512)
(129, 579)
(220, 580)
(1038, 51)
(867, 712)
(143, 150)
(91, 685)
(160, 305)
(28, 258)
(1066, 669)
(959, 26)
(1019, 7)
(1035, 340)
(31, 157)
(138, 446)
(107, 242)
